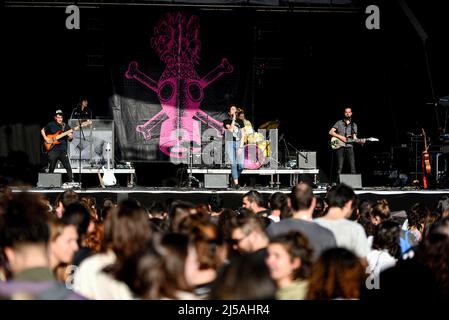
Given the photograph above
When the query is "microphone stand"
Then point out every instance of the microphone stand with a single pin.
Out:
(190, 177)
(81, 148)
(286, 151)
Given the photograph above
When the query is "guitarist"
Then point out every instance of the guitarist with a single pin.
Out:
(58, 151)
(343, 130)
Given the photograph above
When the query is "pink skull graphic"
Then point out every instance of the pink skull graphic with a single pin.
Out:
(180, 89)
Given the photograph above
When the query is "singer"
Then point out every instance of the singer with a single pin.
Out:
(234, 139)
(346, 131)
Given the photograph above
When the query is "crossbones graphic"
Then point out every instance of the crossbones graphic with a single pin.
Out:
(180, 89)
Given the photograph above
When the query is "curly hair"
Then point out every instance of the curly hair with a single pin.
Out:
(338, 273)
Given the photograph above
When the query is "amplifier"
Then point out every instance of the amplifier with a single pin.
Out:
(49, 180)
(306, 160)
(352, 180)
(216, 180)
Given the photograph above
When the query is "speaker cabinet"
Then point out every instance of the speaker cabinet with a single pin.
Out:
(306, 160)
(352, 180)
(216, 180)
(49, 180)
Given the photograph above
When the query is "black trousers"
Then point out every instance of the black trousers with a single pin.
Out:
(54, 156)
(343, 154)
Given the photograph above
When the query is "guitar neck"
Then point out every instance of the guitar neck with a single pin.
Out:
(425, 140)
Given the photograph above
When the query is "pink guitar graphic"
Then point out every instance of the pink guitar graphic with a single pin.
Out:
(180, 89)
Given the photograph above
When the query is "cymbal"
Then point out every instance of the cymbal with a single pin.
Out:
(270, 125)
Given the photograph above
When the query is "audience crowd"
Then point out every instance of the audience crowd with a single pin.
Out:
(295, 246)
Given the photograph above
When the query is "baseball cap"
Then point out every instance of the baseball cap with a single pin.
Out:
(58, 112)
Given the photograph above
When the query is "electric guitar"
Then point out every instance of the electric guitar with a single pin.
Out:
(108, 178)
(59, 134)
(337, 143)
(425, 161)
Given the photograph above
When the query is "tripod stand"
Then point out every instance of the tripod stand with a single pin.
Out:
(191, 179)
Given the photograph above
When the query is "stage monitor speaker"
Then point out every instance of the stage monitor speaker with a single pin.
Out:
(352, 180)
(216, 180)
(49, 180)
(306, 160)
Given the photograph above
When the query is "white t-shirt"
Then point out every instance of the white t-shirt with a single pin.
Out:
(348, 234)
(274, 218)
(91, 282)
(380, 260)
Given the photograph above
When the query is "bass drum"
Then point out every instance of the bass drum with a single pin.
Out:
(254, 157)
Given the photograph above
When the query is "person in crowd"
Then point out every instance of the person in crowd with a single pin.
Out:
(203, 211)
(62, 247)
(243, 279)
(279, 206)
(91, 205)
(443, 206)
(24, 237)
(127, 236)
(106, 211)
(158, 216)
(434, 255)
(385, 248)
(5, 272)
(205, 255)
(302, 203)
(348, 234)
(215, 203)
(63, 200)
(380, 212)
(5, 197)
(160, 272)
(253, 200)
(414, 226)
(77, 215)
(420, 274)
(338, 274)
(178, 211)
(225, 224)
(320, 208)
(249, 236)
(289, 261)
(364, 219)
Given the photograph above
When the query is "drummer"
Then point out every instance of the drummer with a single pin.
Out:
(248, 126)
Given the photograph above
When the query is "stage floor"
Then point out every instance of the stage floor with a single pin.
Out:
(399, 199)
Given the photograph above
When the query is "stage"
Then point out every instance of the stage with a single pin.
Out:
(399, 199)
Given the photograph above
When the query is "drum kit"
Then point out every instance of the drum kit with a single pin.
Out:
(257, 148)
